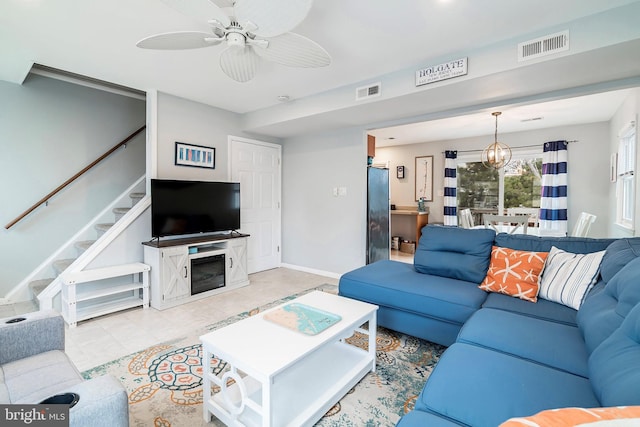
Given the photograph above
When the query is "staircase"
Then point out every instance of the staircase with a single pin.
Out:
(61, 265)
(99, 270)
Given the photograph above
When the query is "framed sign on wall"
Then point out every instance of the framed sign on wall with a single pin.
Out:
(424, 178)
(400, 172)
(195, 155)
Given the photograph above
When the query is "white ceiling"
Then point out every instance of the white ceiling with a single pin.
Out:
(570, 111)
(365, 38)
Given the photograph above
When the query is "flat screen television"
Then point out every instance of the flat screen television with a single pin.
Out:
(193, 207)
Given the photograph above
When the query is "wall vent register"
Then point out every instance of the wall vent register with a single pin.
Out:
(543, 46)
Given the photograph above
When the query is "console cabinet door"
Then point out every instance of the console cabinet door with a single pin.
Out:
(237, 261)
(176, 274)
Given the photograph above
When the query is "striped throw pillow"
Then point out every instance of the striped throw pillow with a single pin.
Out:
(567, 277)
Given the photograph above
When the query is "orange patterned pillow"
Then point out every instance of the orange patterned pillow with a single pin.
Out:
(570, 417)
(514, 273)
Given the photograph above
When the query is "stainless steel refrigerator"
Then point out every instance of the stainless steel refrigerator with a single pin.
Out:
(378, 226)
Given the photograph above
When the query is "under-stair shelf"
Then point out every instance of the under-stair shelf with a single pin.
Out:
(83, 297)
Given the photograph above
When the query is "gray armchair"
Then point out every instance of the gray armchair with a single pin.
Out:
(34, 366)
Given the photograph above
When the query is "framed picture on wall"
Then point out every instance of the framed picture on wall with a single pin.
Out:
(195, 155)
(424, 178)
(400, 172)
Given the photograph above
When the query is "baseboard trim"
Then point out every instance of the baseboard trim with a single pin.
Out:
(311, 270)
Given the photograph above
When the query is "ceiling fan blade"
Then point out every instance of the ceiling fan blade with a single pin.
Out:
(239, 63)
(223, 3)
(294, 50)
(179, 40)
(273, 17)
(200, 10)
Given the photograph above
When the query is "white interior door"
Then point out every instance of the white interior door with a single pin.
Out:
(256, 166)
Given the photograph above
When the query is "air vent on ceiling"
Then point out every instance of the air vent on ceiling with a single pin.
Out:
(543, 46)
(532, 119)
(366, 92)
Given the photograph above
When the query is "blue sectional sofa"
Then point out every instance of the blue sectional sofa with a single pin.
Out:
(508, 357)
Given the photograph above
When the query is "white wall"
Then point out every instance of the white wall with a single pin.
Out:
(320, 231)
(588, 168)
(49, 130)
(627, 112)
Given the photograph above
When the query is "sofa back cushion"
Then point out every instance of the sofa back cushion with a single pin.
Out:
(618, 254)
(576, 245)
(604, 310)
(457, 253)
(614, 370)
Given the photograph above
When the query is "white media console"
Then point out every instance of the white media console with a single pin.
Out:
(187, 269)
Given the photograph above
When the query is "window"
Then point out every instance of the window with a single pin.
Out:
(485, 190)
(625, 186)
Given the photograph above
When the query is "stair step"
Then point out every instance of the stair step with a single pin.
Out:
(38, 286)
(13, 309)
(120, 212)
(61, 265)
(83, 245)
(102, 228)
(136, 197)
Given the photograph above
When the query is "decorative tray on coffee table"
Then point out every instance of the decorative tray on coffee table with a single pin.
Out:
(302, 318)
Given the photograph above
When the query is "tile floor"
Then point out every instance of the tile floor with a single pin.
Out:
(401, 256)
(97, 341)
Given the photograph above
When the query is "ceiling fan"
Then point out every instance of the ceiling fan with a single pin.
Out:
(251, 29)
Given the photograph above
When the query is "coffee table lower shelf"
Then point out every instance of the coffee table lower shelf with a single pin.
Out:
(298, 396)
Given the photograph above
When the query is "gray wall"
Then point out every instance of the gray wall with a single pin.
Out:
(320, 231)
(191, 122)
(49, 130)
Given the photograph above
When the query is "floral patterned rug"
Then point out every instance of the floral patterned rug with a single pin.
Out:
(164, 382)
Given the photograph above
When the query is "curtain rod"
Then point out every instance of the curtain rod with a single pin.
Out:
(522, 146)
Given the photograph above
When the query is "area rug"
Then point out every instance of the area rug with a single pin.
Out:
(164, 382)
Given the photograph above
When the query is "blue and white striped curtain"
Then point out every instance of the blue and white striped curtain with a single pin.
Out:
(553, 200)
(450, 188)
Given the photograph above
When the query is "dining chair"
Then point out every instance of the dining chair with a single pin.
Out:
(583, 225)
(466, 218)
(506, 223)
(532, 213)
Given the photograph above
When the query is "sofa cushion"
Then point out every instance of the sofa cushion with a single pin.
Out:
(618, 254)
(454, 252)
(396, 284)
(606, 306)
(480, 387)
(613, 366)
(515, 273)
(552, 344)
(33, 379)
(567, 277)
(584, 417)
(577, 245)
(543, 309)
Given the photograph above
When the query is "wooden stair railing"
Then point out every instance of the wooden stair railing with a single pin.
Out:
(46, 198)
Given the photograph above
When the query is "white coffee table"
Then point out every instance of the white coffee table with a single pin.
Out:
(283, 377)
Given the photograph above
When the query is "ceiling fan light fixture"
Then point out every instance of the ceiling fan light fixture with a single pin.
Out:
(272, 20)
(496, 155)
(236, 40)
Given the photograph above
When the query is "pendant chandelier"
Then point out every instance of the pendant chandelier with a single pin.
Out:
(496, 155)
